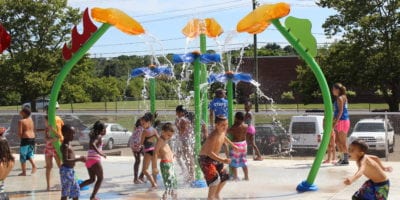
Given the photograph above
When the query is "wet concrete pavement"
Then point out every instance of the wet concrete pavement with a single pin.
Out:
(269, 179)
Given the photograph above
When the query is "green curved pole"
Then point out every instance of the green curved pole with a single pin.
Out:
(325, 95)
(229, 88)
(197, 108)
(63, 74)
(152, 95)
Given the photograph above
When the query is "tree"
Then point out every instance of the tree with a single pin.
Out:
(368, 56)
(38, 29)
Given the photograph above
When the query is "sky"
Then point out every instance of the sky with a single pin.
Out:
(163, 21)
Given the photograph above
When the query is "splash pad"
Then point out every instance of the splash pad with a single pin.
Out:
(296, 31)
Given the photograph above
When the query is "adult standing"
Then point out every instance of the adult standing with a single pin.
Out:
(218, 106)
(341, 121)
(27, 135)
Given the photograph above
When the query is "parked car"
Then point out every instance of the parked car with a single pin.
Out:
(41, 104)
(115, 135)
(306, 131)
(372, 131)
(272, 139)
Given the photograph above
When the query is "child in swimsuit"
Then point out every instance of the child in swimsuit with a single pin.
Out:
(70, 188)
(251, 132)
(6, 163)
(238, 156)
(211, 163)
(93, 162)
(185, 136)
(136, 147)
(50, 152)
(164, 152)
(27, 135)
(377, 187)
(149, 140)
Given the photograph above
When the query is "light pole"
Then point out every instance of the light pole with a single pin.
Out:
(255, 70)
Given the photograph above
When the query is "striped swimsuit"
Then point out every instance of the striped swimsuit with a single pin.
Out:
(93, 157)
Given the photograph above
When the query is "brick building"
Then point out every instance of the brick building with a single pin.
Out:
(276, 72)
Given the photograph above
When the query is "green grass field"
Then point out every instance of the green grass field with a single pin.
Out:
(171, 104)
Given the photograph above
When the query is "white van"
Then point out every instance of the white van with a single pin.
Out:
(306, 131)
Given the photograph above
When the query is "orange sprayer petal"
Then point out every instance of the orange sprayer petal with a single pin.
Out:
(192, 28)
(213, 29)
(119, 19)
(258, 20)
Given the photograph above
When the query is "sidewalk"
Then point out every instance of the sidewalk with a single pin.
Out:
(269, 179)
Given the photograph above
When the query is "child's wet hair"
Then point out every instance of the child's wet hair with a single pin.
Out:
(97, 128)
(181, 109)
(66, 129)
(168, 127)
(361, 145)
(148, 117)
(137, 124)
(239, 116)
(26, 111)
(219, 119)
(5, 153)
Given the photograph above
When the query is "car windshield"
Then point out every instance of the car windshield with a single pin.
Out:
(265, 130)
(303, 128)
(89, 128)
(370, 127)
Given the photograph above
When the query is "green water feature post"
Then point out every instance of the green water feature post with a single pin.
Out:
(63, 74)
(308, 185)
(197, 120)
(152, 83)
(204, 75)
(229, 88)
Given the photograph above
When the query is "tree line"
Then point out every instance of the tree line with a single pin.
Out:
(368, 55)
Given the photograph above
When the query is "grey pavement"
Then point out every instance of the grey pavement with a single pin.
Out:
(269, 179)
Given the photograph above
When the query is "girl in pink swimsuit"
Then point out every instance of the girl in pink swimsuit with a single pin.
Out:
(251, 130)
(93, 162)
(50, 153)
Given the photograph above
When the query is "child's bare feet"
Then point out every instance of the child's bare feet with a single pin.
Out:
(326, 161)
(137, 181)
(34, 169)
(174, 195)
(22, 174)
(95, 198)
(258, 158)
(153, 188)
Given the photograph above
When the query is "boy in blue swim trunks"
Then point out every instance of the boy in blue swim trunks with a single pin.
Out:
(70, 187)
(27, 135)
(377, 187)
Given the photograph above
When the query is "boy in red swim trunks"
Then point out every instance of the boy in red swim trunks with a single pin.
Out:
(211, 163)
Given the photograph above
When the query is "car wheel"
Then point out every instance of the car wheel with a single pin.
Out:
(110, 144)
(381, 154)
(391, 147)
